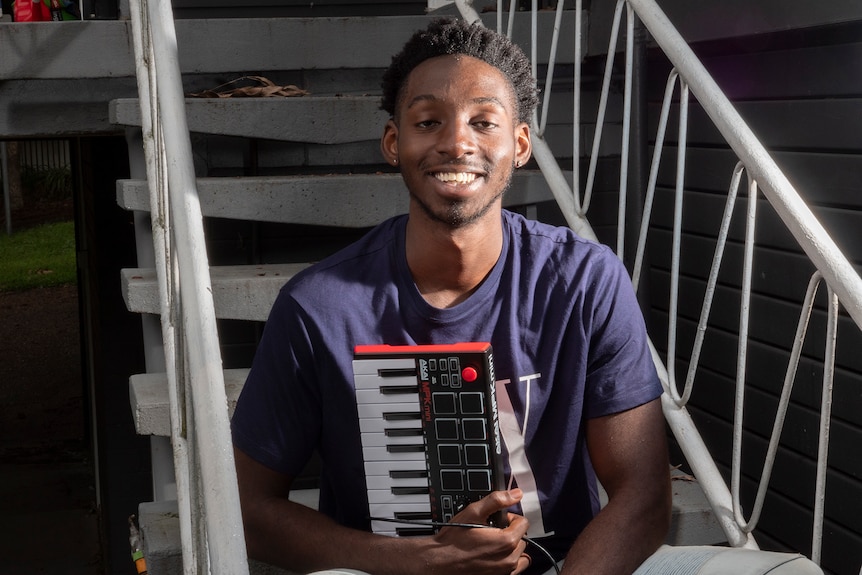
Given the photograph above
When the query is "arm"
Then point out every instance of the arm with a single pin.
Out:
(291, 535)
(629, 454)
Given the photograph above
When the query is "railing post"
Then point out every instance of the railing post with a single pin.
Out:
(639, 153)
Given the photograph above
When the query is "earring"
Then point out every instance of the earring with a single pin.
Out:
(518, 164)
(395, 162)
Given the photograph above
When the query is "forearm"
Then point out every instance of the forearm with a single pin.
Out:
(290, 535)
(620, 537)
(629, 454)
(293, 536)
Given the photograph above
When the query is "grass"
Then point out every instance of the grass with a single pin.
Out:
(38, 257)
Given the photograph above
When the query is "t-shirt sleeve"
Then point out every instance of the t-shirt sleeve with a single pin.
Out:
(620, 371)
(277, 417)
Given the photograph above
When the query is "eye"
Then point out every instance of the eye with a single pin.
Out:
(485, 124)
(426, 123)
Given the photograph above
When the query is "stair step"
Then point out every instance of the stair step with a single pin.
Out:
(103, 49)
(692, 519)
(693, 523)
(148, 395)
(342, 200)
(309, 119)
(160, 533)
(239, 292)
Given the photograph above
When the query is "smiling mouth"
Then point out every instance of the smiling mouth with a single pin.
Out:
(457, 177)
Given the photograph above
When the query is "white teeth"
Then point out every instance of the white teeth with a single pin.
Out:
(459, 177)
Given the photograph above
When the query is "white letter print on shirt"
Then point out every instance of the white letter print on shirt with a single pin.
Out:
(513, 437)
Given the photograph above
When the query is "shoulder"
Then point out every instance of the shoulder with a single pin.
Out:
(558, 248)
(350, 264)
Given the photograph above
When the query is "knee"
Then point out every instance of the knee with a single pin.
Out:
(708, 560)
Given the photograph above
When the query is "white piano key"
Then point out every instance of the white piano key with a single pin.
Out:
(372, 366)
(386, 467)
(381, 454)
(390, 509)
(375, 381)
(386, 496)
(387, 529)
(379, 425)
(392, 529)
(386, 482)
(382, 440)
(374, 396)
(376, 410)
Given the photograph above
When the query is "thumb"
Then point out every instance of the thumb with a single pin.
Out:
(493, 502)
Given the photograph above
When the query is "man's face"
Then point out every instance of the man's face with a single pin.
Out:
(456, 138)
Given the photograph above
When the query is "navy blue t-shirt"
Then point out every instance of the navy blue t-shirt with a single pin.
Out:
(569, 344)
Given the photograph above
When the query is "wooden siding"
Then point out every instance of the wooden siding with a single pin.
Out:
(800, 94)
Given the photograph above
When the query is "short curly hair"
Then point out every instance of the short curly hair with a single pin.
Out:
(447, 36)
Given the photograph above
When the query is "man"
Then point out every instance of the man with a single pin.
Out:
(575, 379)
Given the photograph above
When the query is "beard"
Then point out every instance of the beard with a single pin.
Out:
(460, 213)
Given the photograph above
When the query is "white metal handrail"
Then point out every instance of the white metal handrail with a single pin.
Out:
(843, 283)
(208, 498)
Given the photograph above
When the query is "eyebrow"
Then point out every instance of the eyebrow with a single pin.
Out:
(433, 98)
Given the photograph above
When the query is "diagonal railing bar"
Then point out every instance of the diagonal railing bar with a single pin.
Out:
(711, 283)
(842, 281)
(549, 78)
(602, 110)
(627, 127)
(649, 198)
(211, 525)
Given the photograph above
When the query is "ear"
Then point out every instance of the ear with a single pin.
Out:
(389, 143)
(523, 144)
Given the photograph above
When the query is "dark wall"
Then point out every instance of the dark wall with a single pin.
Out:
(800, 92)
(115, 344)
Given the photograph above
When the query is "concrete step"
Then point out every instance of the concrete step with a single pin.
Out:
(239, 292)
(160, 533)
(309, 119)
(342, 200)
(692, 523)
(103, 49)
(148, 395)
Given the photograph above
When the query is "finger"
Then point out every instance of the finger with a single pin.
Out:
(524, 562)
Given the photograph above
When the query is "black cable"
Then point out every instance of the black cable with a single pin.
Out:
(468, 526)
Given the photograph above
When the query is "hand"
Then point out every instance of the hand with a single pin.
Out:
(477, 550)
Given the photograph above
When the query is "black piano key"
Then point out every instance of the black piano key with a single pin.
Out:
(409, 490)
(414, 448)
(413, 515)
(404, 432)
(408, 473)
(398, 389)
(401, 415)
(397, 372)
(414, 531)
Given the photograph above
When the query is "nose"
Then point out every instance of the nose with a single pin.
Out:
(457, 139)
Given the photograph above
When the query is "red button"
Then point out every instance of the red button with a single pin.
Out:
(469, 374)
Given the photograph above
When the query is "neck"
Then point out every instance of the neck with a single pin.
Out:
(448, 265)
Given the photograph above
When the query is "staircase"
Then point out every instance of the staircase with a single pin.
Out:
(325, 148)
(271, 170)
